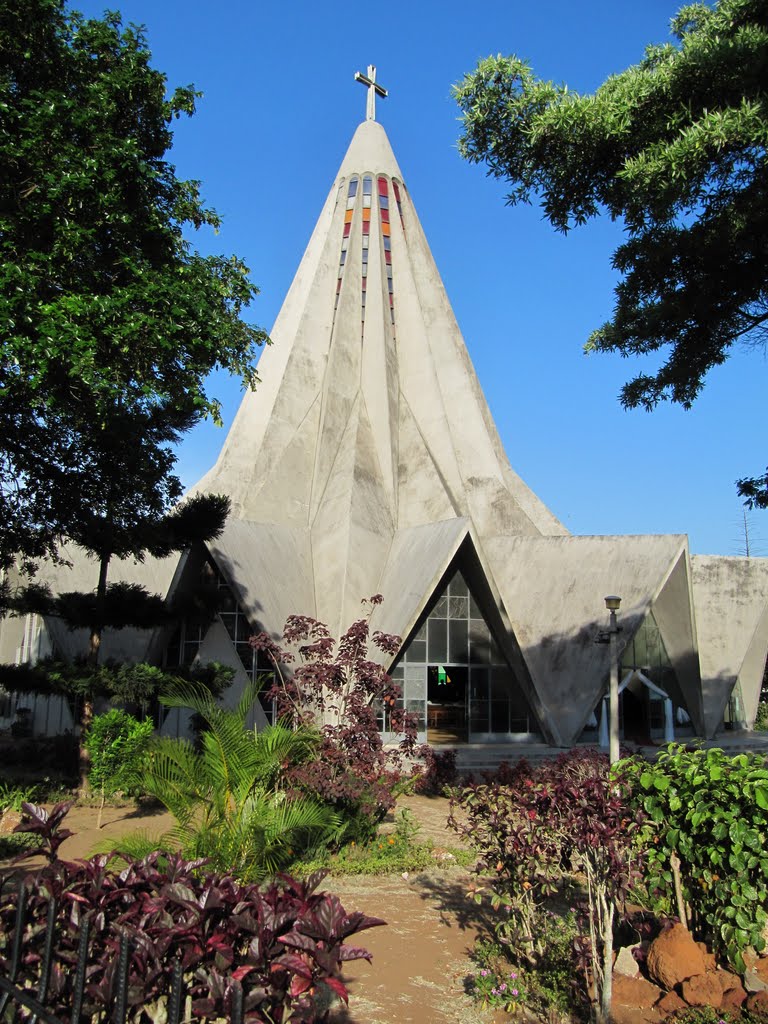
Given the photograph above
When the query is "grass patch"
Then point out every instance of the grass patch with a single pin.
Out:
(389, 853)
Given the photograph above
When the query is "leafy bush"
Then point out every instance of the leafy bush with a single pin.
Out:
(707, 819)
(439, 771)
(283, 946)
(117, 744)
(229, 798)
(335, 689)
(566, 815)
(761, 719)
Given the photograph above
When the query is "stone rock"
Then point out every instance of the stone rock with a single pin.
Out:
(626, 963)
(634, 992)
(734, 998)
(752, 980)
(728, 980)
(441, 854)
(670, 1002)
(8, 822)
(710, 960)
(674, 956)
(702, 990)
(758, 1002)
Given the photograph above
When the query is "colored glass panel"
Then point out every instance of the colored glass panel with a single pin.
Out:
(384, 202)
(383, 187)
(352, 192)
(385, 216)
(366, 201)
(385, 228)
(347, 229)
(387, 243)
(388, 256)
(367, 186)
(343, 257)
(348, 216)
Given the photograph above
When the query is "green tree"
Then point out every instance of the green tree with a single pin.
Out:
(107, 311)
(675, 147)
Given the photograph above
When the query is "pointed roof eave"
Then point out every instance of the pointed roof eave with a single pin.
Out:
(418, 558)
(268, 567)
(553, 589)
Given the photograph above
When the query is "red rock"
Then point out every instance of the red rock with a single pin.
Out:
(702, 990)
(728, 980)
(734, 998)
(758, 1001)
(670, 1002)
(760, 968)
(710, 960)
(673, 957)
(635, 992)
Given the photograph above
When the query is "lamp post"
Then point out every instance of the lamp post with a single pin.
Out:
(612, 603)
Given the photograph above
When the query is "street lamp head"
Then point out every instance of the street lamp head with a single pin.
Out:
(612, 603)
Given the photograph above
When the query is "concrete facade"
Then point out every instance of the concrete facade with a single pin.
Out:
(367, 462)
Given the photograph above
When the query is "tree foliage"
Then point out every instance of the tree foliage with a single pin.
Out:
(675, 147)
(111, 321)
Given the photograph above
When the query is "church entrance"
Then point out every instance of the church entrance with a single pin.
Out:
(454, 677)
(447, 704)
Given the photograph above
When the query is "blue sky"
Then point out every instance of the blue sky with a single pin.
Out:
(279, 108)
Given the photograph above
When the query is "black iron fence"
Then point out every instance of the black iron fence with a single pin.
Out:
(15, 991)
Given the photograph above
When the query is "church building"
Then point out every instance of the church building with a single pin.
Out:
(367, 462)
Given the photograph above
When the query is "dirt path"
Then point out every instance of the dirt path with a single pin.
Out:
(420, 958)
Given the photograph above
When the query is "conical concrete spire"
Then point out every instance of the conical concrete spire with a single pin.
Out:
(369, 418)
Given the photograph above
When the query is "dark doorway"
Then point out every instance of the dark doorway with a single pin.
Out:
(447, 703)
(636, 714)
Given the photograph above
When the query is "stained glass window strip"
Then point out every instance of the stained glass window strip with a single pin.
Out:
(383, 190)
(348, 215)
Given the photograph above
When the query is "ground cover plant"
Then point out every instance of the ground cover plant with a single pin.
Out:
(706, 832)
(336, 689)
(282, 946)
(397, 852)
(546, 824)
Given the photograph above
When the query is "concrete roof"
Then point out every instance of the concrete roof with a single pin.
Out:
(552, 590)
(731, 602)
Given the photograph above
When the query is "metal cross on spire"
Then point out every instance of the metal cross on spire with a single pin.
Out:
(369, 80)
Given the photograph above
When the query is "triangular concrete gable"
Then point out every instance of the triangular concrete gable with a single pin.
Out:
(673, 611)
(553, 589)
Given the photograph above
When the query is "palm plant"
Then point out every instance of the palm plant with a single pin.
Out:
(227, 797)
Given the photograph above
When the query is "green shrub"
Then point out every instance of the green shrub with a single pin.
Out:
(229, 797)
(117, 745)
(707, 811)
(761, 719)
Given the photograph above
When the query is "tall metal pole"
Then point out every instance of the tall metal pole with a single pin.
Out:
(612, 603)
(613, 693)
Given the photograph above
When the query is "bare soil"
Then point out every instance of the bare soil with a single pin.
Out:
(420, 959)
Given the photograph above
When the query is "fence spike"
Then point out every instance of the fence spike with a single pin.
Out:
(174, 1003)
(121, 999)
(82, 958)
